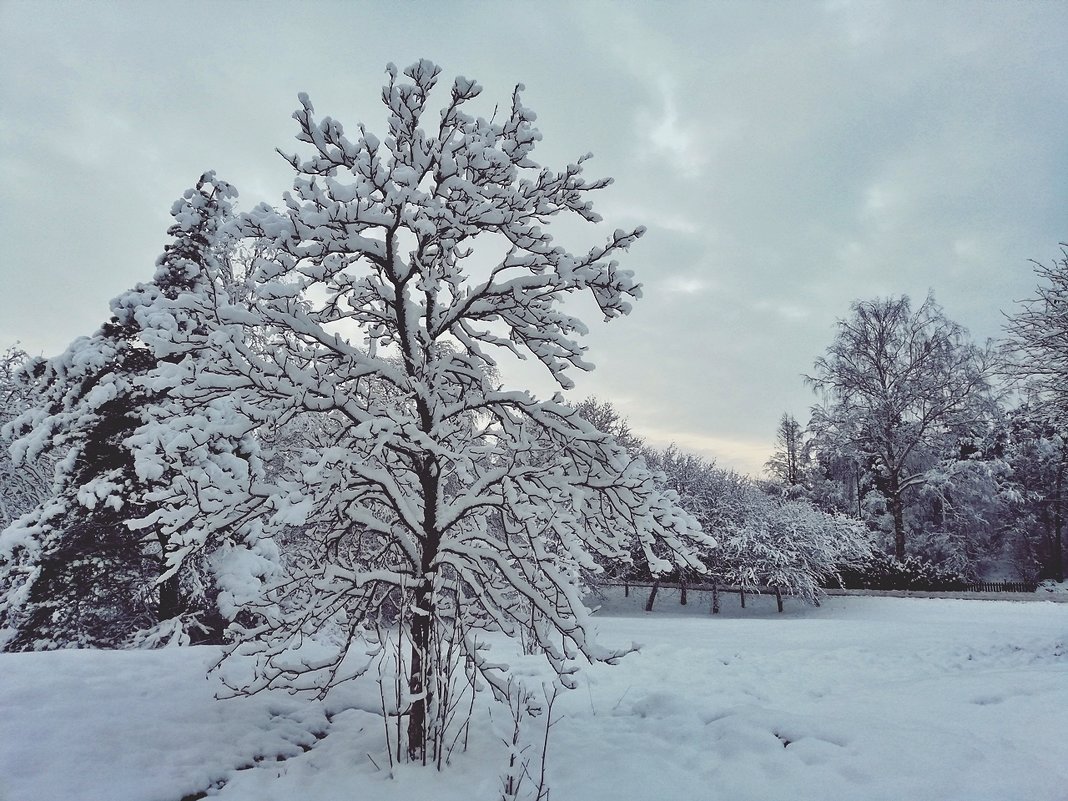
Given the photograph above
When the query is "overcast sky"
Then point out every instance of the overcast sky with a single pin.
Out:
(787, 159)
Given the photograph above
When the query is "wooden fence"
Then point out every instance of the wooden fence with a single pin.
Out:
(715, 589)
(742, 592)
(1002, 586)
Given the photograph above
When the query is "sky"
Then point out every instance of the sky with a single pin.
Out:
(786, 158)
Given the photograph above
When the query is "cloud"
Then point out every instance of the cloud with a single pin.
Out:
(787, 311)
(671, 220)
(686, 146)
(686, 285)
(745, 456)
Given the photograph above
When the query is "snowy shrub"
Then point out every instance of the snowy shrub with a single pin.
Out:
(883, 572)
(765, 540)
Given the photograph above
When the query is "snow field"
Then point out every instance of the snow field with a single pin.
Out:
(864, 698)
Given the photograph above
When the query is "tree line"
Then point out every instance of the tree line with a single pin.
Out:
(949, 450)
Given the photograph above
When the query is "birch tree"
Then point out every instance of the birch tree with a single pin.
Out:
(1037, 347)
(893, 385)
(1036, 353)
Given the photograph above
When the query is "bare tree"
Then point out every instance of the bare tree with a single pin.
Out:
(893, 386)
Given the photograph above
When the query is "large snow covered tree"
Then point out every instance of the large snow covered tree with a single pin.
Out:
(897, 387)
(75, 571)
(396, 272)
(1037, 354)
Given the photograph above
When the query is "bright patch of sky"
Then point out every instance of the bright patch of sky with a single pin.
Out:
(786, 158)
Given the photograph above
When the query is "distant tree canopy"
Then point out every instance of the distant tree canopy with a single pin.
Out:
(1036, 350)
(898, 388)
(912, 433)
(1036, 356)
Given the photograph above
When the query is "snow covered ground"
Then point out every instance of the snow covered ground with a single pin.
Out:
(864, 698)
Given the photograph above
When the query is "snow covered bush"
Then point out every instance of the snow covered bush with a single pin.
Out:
(766, 540)
(789, 547)
(882, 571)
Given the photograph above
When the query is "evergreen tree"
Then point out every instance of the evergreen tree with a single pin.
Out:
(789, 462)
(75, 571)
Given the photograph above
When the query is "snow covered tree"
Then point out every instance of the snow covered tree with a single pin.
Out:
(606, 418)
(1036, 353)
(1038, 454)
(897, 387)
(787, 465)
(1037, 346)
(790, 547)
(25, 485)
(444, 502)
(765, 540)
(76, 572)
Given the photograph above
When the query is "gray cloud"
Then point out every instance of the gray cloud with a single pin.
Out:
(787, 158)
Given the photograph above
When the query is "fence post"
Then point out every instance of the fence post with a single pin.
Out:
(652, 596)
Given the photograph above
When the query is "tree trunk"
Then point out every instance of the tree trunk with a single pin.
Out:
(715, 599)
(419, 680)
(898, 512)
(682, 597)
(652, 596)
(778, 599)
(169, 604)
(860, 510)
(1057, 556)
(741, 594)
(170, 599)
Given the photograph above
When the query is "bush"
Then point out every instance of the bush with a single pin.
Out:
(884, 572)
